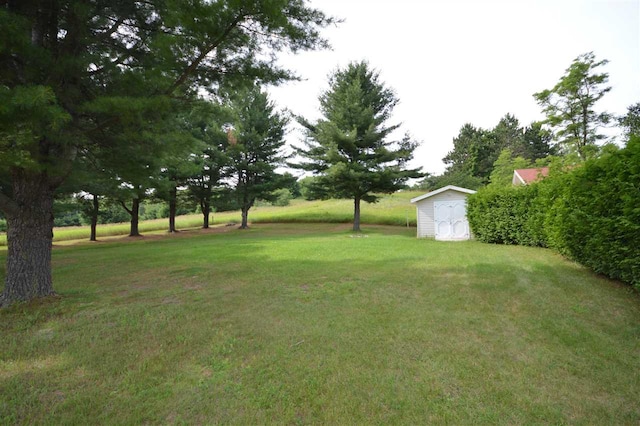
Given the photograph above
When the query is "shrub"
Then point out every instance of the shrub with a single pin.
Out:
(111, 212)
(68, 219)
(283, 197)
(506, 215)
(150, 210)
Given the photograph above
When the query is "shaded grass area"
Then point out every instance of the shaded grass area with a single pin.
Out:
(299, 324)
(392, 209)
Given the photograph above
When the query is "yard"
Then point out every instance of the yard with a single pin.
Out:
(307, 323)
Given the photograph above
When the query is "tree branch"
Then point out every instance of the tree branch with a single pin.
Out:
(113, 28)
(198, 60)
(125, 207)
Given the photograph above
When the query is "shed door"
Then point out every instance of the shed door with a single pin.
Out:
(450, 220)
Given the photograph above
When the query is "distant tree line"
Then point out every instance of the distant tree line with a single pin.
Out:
(571, 132)
(477, 152)
(219, 156)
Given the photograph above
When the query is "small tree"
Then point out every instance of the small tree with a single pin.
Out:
(90, 183)
(350, 148)
(502, 173)
(569, 105)
(255, 149)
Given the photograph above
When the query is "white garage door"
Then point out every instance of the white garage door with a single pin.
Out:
(450, 220)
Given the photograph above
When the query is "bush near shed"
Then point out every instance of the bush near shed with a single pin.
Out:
(590, 214)
(505, 215)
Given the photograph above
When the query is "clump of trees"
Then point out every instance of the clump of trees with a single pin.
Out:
(477, 152)
(102, 84)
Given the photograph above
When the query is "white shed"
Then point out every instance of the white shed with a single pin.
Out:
(443, 214)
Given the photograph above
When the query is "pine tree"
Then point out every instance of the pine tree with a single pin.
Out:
(350, 149)
(255, 149)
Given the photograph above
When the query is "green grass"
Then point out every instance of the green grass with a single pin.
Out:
(393, 209)
(307, 324)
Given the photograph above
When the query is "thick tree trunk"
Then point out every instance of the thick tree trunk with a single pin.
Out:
(356, 214)
(135, 218)
(206, 210)
(29, 239)
(94, 218)
(173, 195)
(245, 216)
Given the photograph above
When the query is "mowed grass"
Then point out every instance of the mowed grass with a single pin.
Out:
(392, 209)
(308, 324)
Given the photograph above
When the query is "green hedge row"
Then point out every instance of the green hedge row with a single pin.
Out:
(505, 215)
(590, 214)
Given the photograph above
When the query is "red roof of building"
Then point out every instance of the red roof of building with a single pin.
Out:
(531, 175)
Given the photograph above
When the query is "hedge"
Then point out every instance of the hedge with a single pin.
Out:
(504, 215)
(590, 214)
(598, 217)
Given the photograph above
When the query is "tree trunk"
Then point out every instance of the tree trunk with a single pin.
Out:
(356, 214)
(29, 239)
(173, 195)
(94, 218)
(135, 215)
(206, 210)
(245, 216)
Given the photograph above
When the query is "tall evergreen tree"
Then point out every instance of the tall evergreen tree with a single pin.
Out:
(255, 149)
(460, 157)
(350, 147)
(537, 142)
(76, 75)
(176, 164)
(509, 135)
(570, 105)
(206, 124)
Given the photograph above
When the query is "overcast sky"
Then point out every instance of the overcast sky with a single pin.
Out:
(453, 62)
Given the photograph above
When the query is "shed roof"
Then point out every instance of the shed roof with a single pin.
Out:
(526, 176)
(441, 190)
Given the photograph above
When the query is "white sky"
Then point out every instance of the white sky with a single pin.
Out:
(453, 62)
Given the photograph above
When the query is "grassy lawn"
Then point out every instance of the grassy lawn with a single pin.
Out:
(299, 324)
(392, 209)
